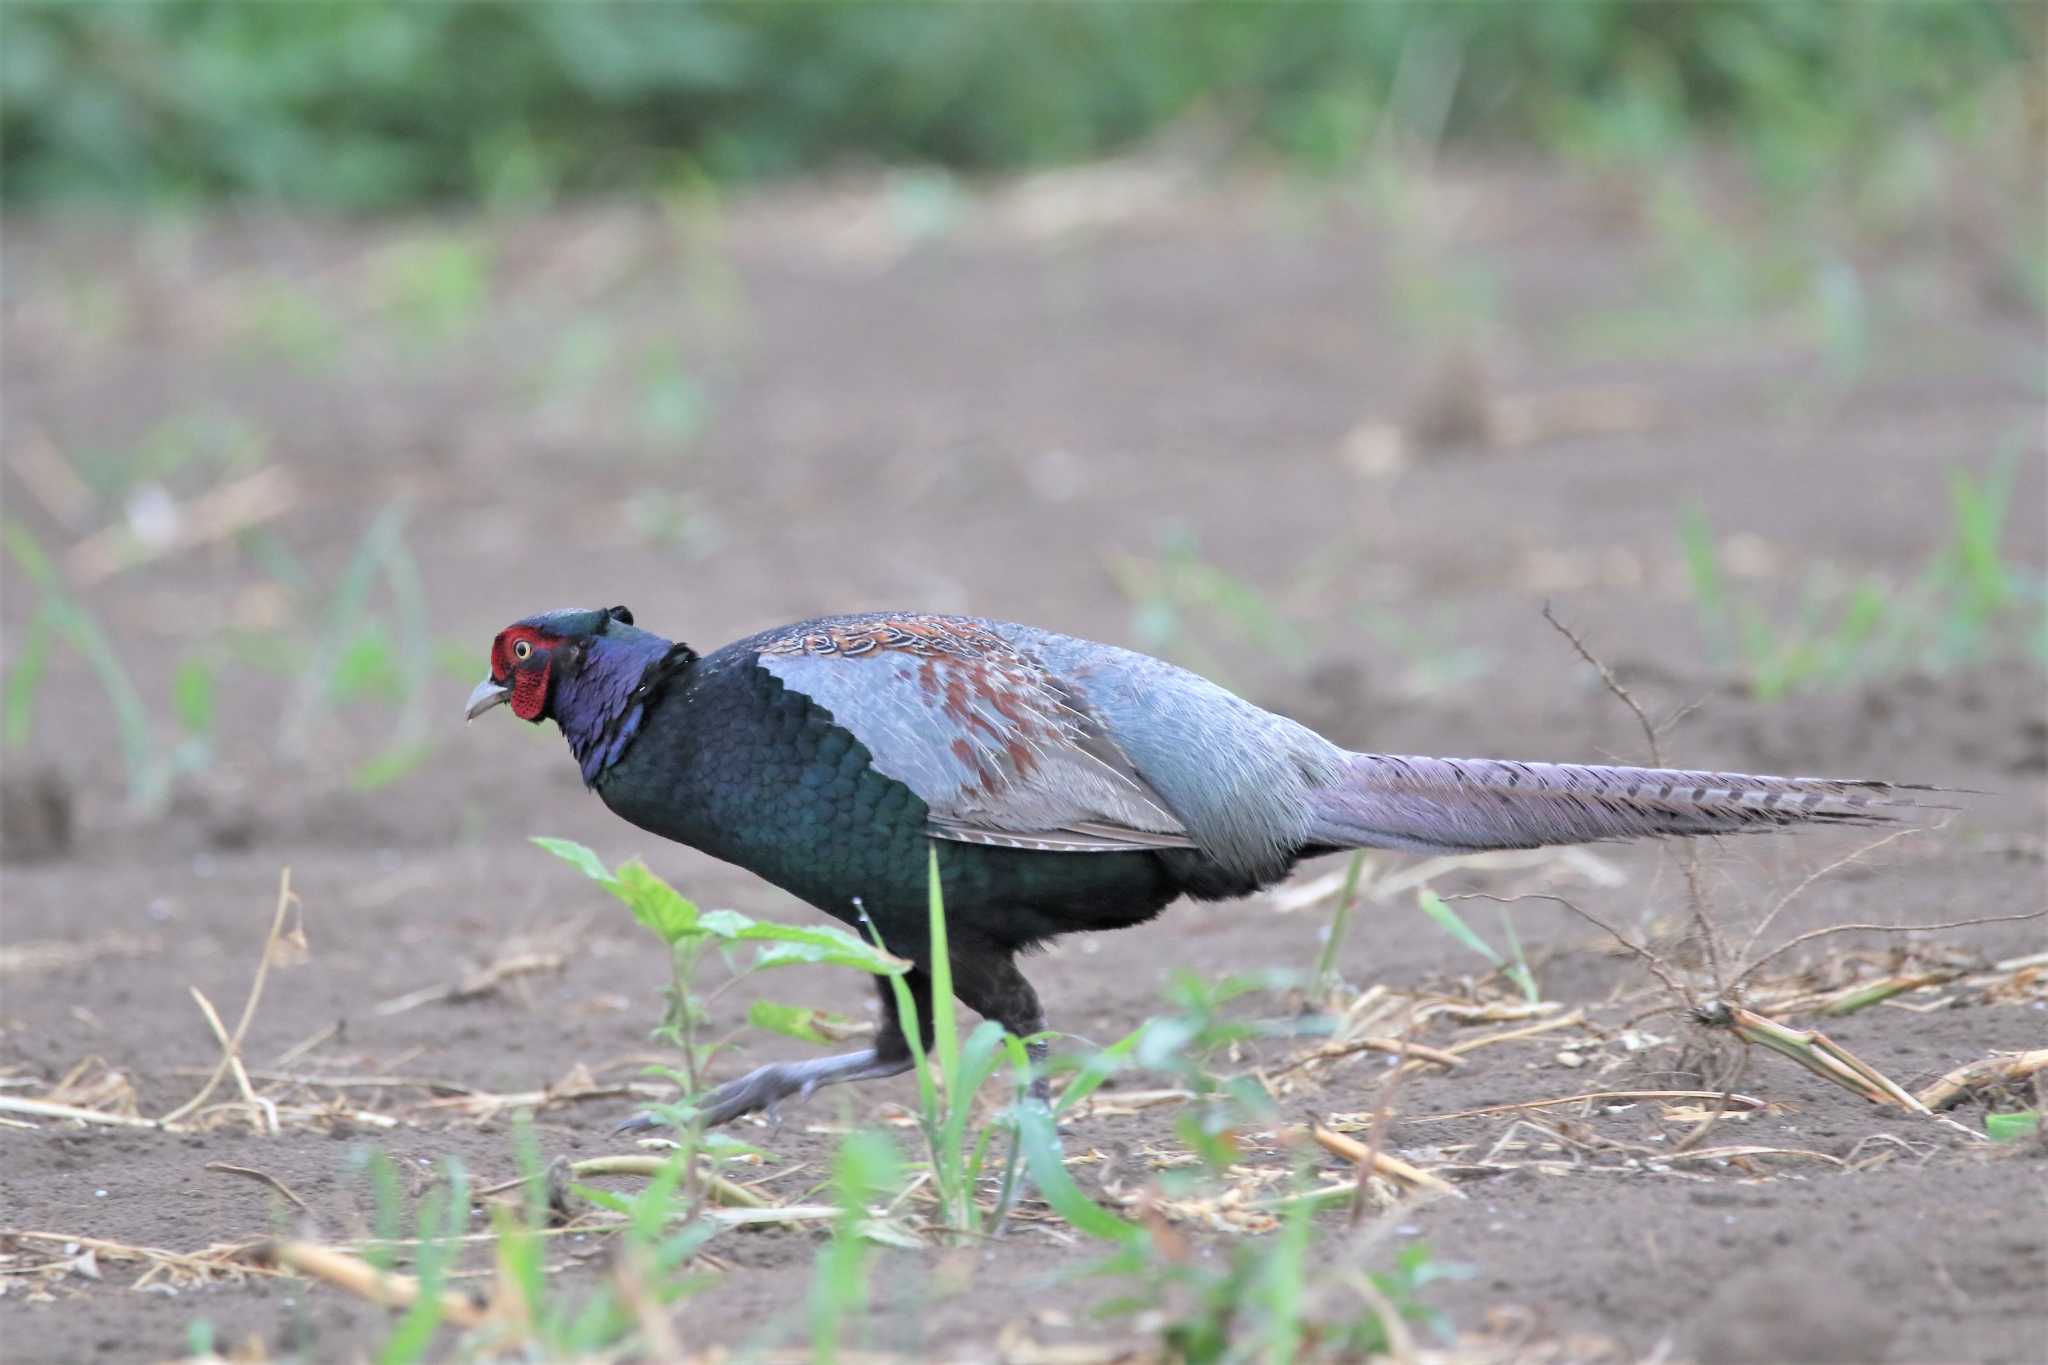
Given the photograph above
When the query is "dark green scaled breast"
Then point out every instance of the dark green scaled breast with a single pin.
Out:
(731, 762)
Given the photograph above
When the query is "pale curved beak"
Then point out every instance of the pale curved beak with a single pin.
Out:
(487, 695)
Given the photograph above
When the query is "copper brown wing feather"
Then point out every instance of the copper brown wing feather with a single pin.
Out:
(999, 750)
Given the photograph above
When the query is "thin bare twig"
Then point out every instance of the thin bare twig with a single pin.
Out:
(230, 1055)
(1764, 924)
(310, 1043)
(1812, 934)
(1704, 928)
(1721, 1110)
(264, 1176)
(1613, 685)
(1656, 964)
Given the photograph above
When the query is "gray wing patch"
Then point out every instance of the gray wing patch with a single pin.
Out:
(996, 748)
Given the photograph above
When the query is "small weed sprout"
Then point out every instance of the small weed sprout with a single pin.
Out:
(151, 765)
(440, 1222)
(1954, 613)
(690, 933)
(1511, 964)
(865, 1168)
(949, 1076)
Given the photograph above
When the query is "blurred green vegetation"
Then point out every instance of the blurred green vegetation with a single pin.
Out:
(369, 104)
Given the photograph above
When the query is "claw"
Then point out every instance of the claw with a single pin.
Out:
(641, 1122)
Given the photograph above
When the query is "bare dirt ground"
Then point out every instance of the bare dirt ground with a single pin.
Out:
(1011, 416)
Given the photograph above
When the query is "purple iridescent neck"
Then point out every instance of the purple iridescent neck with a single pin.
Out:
(600, 705)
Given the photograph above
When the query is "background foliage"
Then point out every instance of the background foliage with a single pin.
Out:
(377, 103)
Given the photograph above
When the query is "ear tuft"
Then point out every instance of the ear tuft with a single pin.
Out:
(621, 615)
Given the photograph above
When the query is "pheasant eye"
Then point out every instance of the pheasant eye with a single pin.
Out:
(522, 649)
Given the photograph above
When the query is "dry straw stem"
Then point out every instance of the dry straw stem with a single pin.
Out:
(44, 1109)
(1860, 995)
(262, 1113)
(265, 1177)
(1997, 1069)
(310, 1043)
(232, 1044)
(480, 982)
(578, 1085)
(1124, 1102)
(228, 1259)
(1816, 1052)
(1569, 1019)
(1382, 1111)
(215, 516)
(356, 1276)
(1749, 1102)
(1399, 1047)
(1371, 1161)
(1810, 1048)
(716, 1187)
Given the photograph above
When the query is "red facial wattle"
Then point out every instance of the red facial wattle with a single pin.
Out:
(527, 676)
(530, 689)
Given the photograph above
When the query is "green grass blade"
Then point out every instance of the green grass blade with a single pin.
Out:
(2012, 1127)
(25, 679)
(1099, 1067)
(945, 1035)
(1326, 961)
(1451, 923)
(1049, 1173)
(913, 1033)
(1518, 965)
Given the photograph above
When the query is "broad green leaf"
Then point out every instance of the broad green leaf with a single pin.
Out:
(654, 902)
(792, 1021)
(577, 856)
(822, 936)
(726, 924)
(836, 952)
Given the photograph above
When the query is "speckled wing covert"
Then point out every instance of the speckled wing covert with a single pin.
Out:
(998, 749)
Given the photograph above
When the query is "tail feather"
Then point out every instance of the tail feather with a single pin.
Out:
(1449, 805)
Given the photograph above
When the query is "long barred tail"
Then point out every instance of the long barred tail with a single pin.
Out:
(1450, 805)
